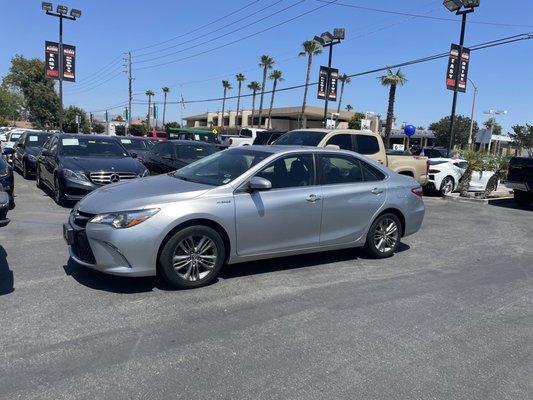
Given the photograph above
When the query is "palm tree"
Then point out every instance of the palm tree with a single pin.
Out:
(240, 79)
(276, 76)
(348, 107)
(165, 92)
(150, 93)
(227, 86)
(345, 80)
(310, 48)
(392, 79)
(254, 86)
(476, 162)
(266, 63)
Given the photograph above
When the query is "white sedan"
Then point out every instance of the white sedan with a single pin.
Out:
(446, 173)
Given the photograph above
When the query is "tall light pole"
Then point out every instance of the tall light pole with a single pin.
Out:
(462, 8)
(493, 114)
(472, 114)
(61, 13)
(327, 39)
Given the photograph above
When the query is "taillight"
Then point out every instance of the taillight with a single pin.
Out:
(433, 171)
(417, 191)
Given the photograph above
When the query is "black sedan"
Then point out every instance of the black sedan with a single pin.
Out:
(26, 150)
(175, 154)
(136, 145)
(74, 165)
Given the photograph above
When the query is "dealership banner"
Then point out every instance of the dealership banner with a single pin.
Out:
(332, 85)
(322, 82)
(51, 56)
(457, 73)
(69, 63)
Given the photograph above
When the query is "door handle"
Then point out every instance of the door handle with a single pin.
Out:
(312, 198)
(377, 191)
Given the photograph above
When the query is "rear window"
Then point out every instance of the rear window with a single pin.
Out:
(301, 138)
(246, 132)
(262, 138)
(367, 144)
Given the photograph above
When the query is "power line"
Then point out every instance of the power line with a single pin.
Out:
(95, 86)
(237, 40)
(99, 71)
(115, 72)
(420, 15)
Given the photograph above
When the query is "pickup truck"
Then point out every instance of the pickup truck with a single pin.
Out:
(520, 179)
(364, 142)
(245, 137)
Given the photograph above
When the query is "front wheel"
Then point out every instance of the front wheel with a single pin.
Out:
(192, 257)
(384, 236)
(58, 192)
(25, 173)
(38, 180)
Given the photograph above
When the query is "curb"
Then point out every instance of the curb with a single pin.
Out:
(474, 200)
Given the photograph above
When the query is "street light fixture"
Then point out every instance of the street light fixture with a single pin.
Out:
(319, 40)
(327, 37)
(61, 13)
(462, 8)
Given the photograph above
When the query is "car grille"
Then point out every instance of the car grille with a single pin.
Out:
(81, 218)
(103, 178)
(82, 249)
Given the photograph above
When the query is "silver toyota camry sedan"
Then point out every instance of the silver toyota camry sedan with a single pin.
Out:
(243, 204)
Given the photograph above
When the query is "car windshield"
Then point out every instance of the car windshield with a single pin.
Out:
(36, 140)
(135, 144)
(88, 147)
(222, 167)
(301, 138)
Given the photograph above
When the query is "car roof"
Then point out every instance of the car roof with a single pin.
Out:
(278, 149)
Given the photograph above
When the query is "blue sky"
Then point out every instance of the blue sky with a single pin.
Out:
(109, 28)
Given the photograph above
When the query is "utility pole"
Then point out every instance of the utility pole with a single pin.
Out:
(472, 114)
(130, 94)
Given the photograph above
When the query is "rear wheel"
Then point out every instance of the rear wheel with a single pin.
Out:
(192, 257)
(384, 236)
(522, 198)
(447, 185)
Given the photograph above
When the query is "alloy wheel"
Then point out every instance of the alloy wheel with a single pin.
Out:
(447, 186)
(195, 257)
(386, 235)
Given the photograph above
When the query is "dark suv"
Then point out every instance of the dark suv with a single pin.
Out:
(74, 165)
(26, 150)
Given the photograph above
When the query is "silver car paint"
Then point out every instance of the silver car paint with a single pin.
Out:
(260, 225)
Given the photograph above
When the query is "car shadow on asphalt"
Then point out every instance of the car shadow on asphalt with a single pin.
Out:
(6, 275)
(509, 203)
(128, 285)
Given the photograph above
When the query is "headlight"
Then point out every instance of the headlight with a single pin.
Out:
(4, 172)
(144, 173)
(32, 157)
(124, 219)
(75, 175)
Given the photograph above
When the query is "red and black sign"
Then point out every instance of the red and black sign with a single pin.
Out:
(69, 63)
(332, 86)
(322, 83)
(51, 55)
(457, 73)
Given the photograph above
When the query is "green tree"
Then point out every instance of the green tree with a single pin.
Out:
(522, 136)
(461, 131)
(26, 76)
(10, 103)
(497, 130)
(138, 129)
(420, 128)
(392, 80)
(355, 122)
(119, 118)
(227, 86)
(266, 63)
(240, 79)
(498, 165)
(311, 48)
(476, 162)
(172, 125)
(276, 76)
(98, 127)
(69, 120)
(120, 130)
(254, 86)
(345, 80)
(166, 90)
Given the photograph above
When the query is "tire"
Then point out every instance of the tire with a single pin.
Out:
(182, 264)
(25, 173)
(38, 181)
(58, 195)
(522, 198)
(447, 185)
(377, 245)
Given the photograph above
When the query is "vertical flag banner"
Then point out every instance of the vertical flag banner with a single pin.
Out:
(51, 57)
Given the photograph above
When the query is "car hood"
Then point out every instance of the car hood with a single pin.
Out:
(95, 164)
(140, 193)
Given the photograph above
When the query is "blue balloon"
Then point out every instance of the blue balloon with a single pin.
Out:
(409, 130)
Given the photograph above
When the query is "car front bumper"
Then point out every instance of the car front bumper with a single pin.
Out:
(76, 190)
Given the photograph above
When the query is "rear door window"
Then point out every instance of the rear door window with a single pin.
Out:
(340, 170)
(291, 171)
(344, 141)
(367, 144)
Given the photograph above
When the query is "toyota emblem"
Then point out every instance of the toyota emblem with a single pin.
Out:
(114, 178)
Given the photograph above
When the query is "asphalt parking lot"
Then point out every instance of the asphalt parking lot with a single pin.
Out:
(448, 317)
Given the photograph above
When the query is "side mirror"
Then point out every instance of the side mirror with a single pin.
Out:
(133, 155)
(332, 147)
(258, 184)
(8, 151)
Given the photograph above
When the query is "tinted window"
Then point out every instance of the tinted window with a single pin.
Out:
(36, 140)
(246, 132)
(87, 147)
(371, 173)
(290, 171)
(336, 169)
(193, 152)
(344, 141)
(262, 138)
(163, 149)
(301, 138)
(222, 167)
(135, 144)
(367, 144)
